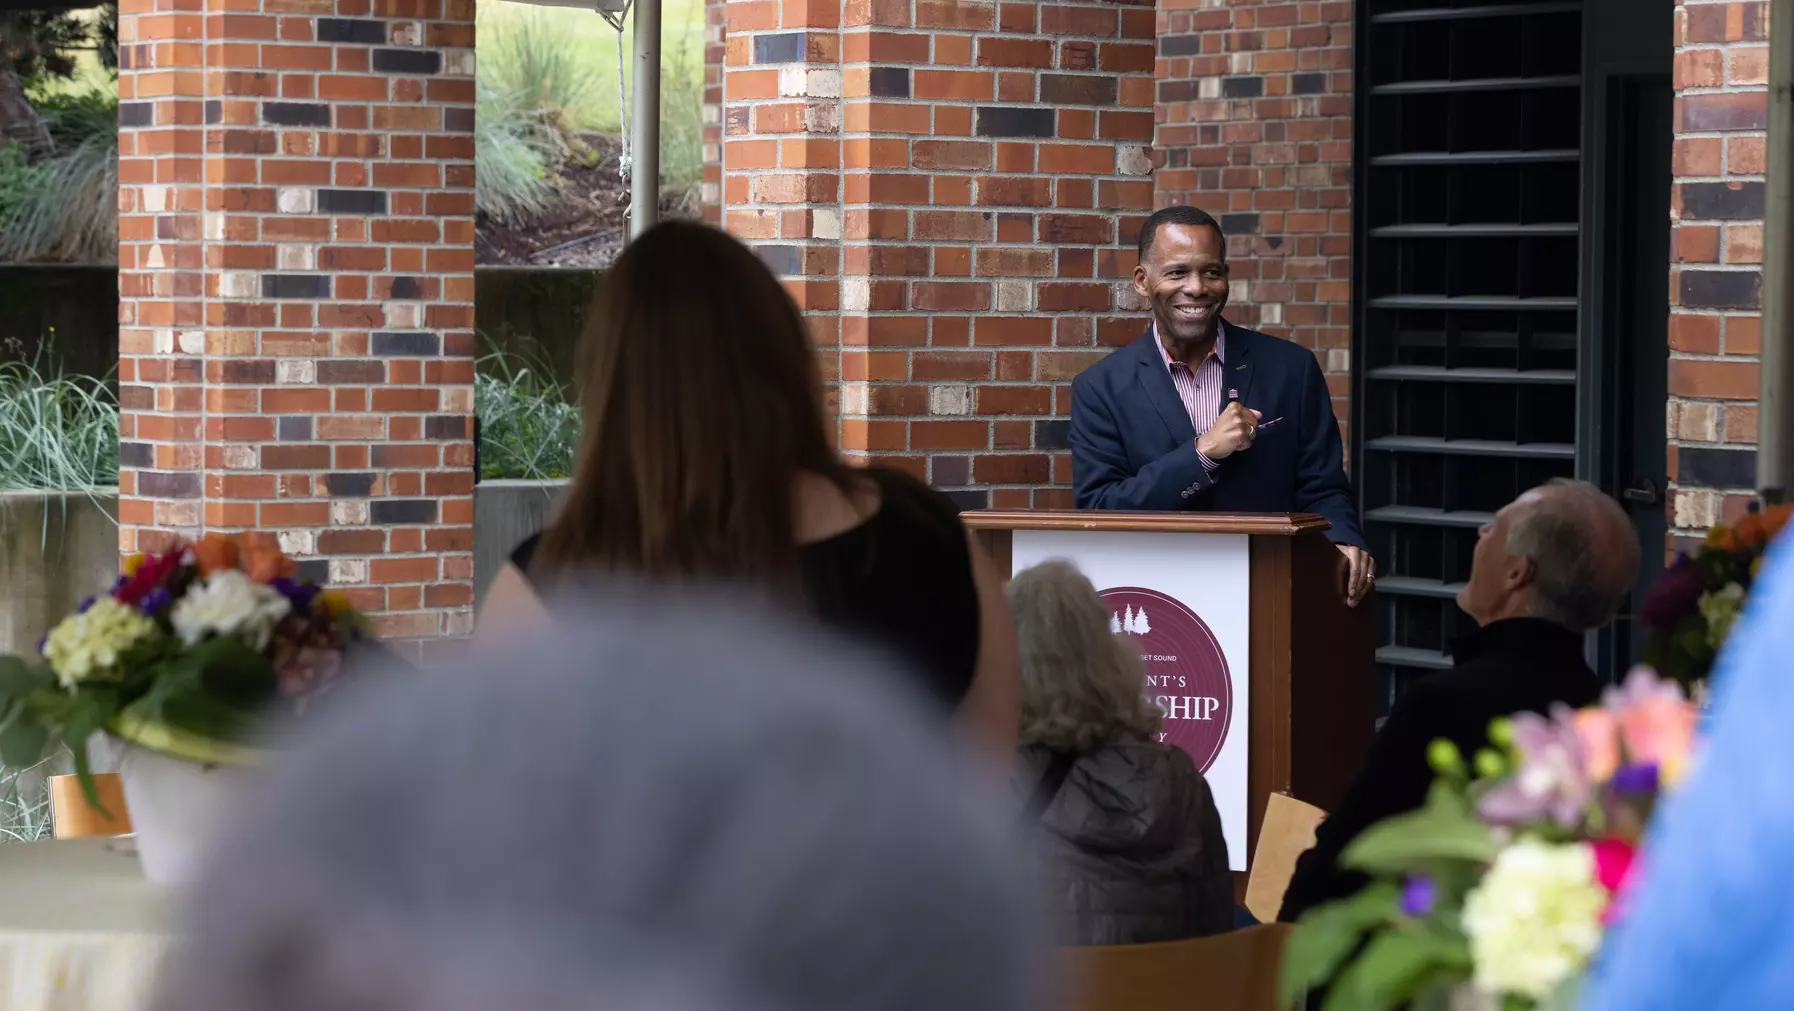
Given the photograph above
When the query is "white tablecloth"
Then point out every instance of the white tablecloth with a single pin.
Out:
(80, 929)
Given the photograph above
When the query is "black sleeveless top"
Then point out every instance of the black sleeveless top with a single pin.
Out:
(900, 580)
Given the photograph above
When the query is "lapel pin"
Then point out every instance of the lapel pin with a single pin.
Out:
(1239, 368)
(1233, 394)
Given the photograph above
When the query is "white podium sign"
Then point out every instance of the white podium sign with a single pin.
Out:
(1184, 599)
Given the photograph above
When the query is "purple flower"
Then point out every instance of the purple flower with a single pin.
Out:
(1418, 895)
(42, 641)
(85, 604)
(1674, 595)
(1640, 778)
(1552, 780)
(155, 600)
(300, 595)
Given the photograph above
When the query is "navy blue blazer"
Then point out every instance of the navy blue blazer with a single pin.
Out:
(1133, 447)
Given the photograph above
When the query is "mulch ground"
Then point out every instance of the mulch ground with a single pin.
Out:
(586, 227)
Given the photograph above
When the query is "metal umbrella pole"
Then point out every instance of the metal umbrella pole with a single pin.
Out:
(644, 177)
(1775, 409)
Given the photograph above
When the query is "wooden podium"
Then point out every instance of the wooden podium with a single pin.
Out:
(1312, 659)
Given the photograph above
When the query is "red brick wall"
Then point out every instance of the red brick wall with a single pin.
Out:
(1254, 117)
(710, 195)
(1721, 75)
(953, 189)
(296, 289)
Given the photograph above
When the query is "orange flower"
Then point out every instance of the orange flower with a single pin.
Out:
(1750, 531)
(264, 562)
(1776, 517)
(1720, 537)
(215, 551)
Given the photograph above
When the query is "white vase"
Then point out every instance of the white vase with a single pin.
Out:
(174, 805)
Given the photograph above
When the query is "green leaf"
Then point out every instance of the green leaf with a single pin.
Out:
(22, 743)
(1328, 934)
(20, 678)
(1396, 966)
(1445, 829)
(91, 711)
(232, 672)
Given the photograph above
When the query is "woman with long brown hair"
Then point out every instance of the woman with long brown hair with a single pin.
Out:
(705, 457)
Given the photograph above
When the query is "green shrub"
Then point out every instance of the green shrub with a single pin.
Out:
(510, 166)
(65, 207)
(57, 432)
(529, 429)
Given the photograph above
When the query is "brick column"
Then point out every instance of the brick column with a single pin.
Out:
(1715, 325)
(1255, 127)
(953, 190)
(296, 289)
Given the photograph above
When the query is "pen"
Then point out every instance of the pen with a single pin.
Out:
(1268, 424)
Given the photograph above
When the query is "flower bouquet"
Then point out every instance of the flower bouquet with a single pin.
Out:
(188, 653)
(1691, 607)
(1496, 892)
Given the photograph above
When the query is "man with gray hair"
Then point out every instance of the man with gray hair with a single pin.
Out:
(1554, 564)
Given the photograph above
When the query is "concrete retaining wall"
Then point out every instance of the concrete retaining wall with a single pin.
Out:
(55, 549)
(504, 513)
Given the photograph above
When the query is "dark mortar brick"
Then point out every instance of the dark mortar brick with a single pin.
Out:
(457, 120)
(372, 33)
(246, 370)
(951, 470)
(136, 113)
(334, 371)
(1308, 84)
(352, 201)
(1242, 87)
(296, 114)
(889, 82)
(784, 47)
(1721, 289)
(446, 426)
(1180, 45)
(781, 259)
(970, 499)
(1177, 91)
(406, 287)
(214, 111)
(1010, 121)
(136, 454)
(1078, 89)
(158, 484)
(1052, 435)
(295, 286)
(407, 61)
(1239, 224)
(391, 511)
(312, 570)
(349, 485)
(405, 344)
(1716, 468)
(1721, 202)
(296, 428)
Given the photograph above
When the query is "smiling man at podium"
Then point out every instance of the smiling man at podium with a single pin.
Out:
(1199, 414)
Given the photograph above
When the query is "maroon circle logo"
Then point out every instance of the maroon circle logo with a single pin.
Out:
(1186, 673)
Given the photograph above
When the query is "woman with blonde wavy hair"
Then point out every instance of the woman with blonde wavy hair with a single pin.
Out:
(1124, 826)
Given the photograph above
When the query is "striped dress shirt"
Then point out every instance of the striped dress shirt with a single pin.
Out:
(1200, 390)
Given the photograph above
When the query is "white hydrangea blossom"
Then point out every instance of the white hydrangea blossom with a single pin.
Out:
(1535, 919)
(229, 603)
(87, 646)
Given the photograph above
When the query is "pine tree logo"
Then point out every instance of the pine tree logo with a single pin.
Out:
(1133, 623)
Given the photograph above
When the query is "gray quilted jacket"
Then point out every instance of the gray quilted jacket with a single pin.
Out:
(1131, 846)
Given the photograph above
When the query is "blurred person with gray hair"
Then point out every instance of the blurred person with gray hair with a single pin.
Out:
(670, 804)
(1554, 564)
(1123, 825)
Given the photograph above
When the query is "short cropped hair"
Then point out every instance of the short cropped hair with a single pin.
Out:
(1582, 571)
(663, 802)
(1180, 214)
(1082, 685)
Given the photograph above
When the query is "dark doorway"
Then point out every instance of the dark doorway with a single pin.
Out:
(1634, 330)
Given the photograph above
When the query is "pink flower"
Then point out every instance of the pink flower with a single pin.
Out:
(1599, 730)
(1614, 860)
(1552, 780)
(1656, 723)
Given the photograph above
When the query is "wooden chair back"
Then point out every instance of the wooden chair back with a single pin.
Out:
(1286, 833)
(1237, 971)
(72, 817)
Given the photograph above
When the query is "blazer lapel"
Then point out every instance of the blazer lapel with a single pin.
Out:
(1156, 379)
(1236, 374)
